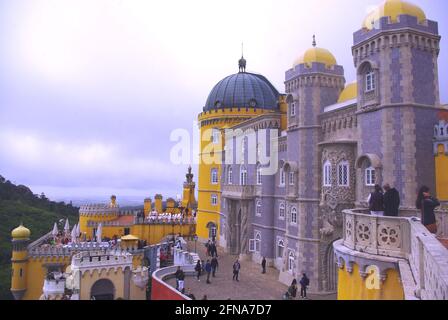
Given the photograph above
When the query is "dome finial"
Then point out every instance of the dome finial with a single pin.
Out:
(242, 61)
(314, 40)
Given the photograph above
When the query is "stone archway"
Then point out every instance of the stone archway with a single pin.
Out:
(102, 289)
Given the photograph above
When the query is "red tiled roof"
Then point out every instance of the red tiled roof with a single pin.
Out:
(444, 242)
(126, 220)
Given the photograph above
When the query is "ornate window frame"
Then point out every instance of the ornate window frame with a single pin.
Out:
(281, 208)
(214, 176)
(344, 174)
(327, 174)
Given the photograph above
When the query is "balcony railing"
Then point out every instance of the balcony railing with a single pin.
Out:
(239, 192)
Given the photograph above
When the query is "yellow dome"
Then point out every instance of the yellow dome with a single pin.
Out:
(316, 55)
(393, 9)
(21, 233)
(350, 92)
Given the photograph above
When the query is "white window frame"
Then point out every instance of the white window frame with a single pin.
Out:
(370, 81)
(257, 241)
(230, 176)
(280, 244)
(294, 215)
(216, 136)
(243, 176)
(293, 109)
(291, 178)
(214, 176)
(291, 261)
(259, 176)
(370, 177)
(214, 199)
(282, 208)
(327, 174)
(258, 208)
(282, 177)
(341, 174)
(251, 245)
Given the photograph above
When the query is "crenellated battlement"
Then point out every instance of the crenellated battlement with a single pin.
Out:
(305, 69)
(428, 27)
(97, 259)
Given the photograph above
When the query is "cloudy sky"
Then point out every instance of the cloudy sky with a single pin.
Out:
(90, 90)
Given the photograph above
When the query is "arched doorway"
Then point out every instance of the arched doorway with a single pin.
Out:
(211, 226)
(331, 269)
(102, 289)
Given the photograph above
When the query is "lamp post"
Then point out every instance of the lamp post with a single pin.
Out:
(195, 240)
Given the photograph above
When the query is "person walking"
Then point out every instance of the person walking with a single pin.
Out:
(263, 265)
(198, 269)
(208, 269)
(292, 290)
(376, 202)
(391, 201)
(207, 248)
(214, 263)
(427, 204)
(304, 283)
(236, 270)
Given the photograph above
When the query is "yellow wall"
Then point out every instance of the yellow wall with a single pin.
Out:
(442, 174)
(37, 273)
(19, 262)
(96, 218)
(222, 118)
(147, 207)
(351, 286)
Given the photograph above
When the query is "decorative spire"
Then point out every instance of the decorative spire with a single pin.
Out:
(242, 61)
(189, 175)
(314, 40)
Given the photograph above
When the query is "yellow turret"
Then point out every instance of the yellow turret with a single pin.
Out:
(188, 198)
(19, 261)
(158, 203)
(147, 206)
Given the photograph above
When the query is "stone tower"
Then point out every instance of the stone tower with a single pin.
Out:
(395, 55)
(315, 82)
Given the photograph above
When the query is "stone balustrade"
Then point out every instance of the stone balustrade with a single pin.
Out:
(184, 258)
(402, 240)
(54, 287)
(238, 192)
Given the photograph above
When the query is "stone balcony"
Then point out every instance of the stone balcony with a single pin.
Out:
(239, 192)
(54, 287)
(400, 243)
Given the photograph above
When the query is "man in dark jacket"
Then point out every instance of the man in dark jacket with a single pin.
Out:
(208, 269)
(214, 263)
(236, 270)
(263, 265)
(391, 201)
(304, 283)
(376, 201)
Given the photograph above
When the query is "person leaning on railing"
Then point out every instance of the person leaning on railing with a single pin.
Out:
(427, 204)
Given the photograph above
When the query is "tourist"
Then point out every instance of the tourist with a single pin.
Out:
(198, 269)
(427, 205)
(213, 250)
(214, 263)
(304, 283)
(263, 265)
(207, 248)
(208, 269)
(376, 202)
(292, 290)
(236, 270)
(391, 201)
(180, 276)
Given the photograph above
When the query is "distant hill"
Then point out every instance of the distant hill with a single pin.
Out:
(19, 204)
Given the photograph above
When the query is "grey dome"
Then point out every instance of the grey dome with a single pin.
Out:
(243, 90)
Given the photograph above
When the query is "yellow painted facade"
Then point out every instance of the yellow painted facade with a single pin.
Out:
(352, 286)
(442, 173)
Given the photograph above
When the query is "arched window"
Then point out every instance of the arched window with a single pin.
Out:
(370, 177)
(291, 178)
(281, 211)
(259, 176)
(282, 177)
(291, 260)
(230, 176)
(257, 242)
(280, 248)
(343, 174)
(327, 174)
(294, 215)
(243, 176)
(214, 175)
(370, 81)
(258, 208)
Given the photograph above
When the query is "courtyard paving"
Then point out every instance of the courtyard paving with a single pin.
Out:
(253, 285)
